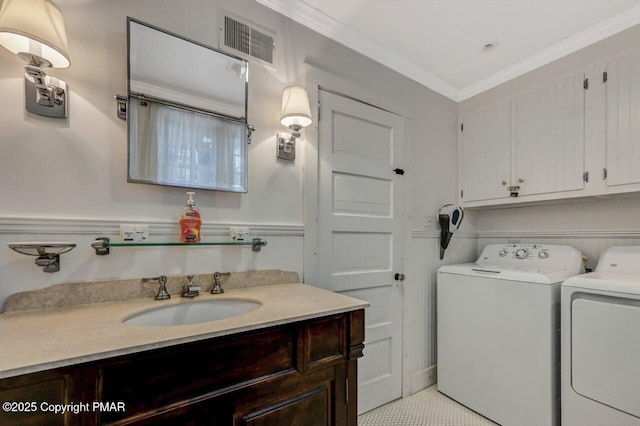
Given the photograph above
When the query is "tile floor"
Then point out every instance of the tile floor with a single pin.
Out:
(425, 408)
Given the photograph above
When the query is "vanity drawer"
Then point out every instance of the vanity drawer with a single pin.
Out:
(322, 342)
(211, 367)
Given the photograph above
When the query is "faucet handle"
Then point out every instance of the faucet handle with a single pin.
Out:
(162, 291)
(217, 288)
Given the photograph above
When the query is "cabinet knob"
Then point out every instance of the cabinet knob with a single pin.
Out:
(520, 180)
(504, 183)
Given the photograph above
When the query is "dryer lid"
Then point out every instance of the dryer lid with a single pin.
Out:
(618, 271)
(624, 284)
(620, 260)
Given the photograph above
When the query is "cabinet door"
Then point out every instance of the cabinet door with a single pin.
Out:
(623, 120)
(31, 397)
(485, 152)
(548, 138)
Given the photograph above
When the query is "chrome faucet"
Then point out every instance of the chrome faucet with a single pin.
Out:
(217, 288)
(191, 289)
(162, 291)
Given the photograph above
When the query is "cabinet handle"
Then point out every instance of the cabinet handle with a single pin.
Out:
(520, 180)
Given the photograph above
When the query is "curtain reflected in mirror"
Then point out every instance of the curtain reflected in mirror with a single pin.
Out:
(172, 146)
(186, 113)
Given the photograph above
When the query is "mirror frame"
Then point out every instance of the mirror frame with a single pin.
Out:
(246, 134)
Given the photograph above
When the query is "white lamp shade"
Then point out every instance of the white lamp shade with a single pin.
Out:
(35, 27)
(295, 107)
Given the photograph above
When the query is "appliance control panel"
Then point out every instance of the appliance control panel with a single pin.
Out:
(528, 255)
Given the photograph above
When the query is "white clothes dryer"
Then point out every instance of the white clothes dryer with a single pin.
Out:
(601, 342)
(498, 325)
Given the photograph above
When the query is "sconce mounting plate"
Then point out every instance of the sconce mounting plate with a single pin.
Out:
(44, 95)
(286, 147)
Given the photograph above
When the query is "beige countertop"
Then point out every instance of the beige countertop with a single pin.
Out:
(36, 340)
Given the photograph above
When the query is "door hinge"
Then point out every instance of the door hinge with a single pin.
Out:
(604, 77)
(462, 193)
(604, 174)
(399, 171)
(318, 111)
(462, 127)
(585, 176)
(586, 84)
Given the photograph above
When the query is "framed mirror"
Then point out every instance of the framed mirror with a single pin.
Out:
(187, 112)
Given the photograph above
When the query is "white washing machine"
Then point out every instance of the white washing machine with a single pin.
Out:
(499, 331)
(601, 342)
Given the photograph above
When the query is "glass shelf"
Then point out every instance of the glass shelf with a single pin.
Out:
(102, 244)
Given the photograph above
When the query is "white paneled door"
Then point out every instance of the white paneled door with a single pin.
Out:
(360, 230)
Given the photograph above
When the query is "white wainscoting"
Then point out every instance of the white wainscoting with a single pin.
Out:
(19, 273)
(420, 301)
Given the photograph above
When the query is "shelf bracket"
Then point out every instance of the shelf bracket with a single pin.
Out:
(257, 244)
(101, 246)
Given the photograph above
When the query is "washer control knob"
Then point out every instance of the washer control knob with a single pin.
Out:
(543, 254)
(522, 253)
(503, 252)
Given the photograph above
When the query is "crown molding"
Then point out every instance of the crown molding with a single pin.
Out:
(591, 35)
(331, 28)
(317, 21)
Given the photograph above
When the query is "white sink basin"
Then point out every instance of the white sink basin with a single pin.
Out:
(192, 312)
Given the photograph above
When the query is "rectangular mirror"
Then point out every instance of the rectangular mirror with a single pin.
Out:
(187, 112)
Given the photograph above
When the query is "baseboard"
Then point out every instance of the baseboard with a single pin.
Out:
(424, 378)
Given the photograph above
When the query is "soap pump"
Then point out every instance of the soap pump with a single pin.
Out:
(190, 221)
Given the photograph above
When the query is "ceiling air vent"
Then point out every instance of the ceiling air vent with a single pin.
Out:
(242, 37)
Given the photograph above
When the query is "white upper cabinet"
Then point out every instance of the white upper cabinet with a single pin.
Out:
(548, 138)
(485, 152)
(525, 148)
(622, 89)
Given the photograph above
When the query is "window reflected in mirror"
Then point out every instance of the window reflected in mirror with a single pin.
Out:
(187, 112)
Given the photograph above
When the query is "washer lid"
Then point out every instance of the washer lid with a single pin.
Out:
(510, 273)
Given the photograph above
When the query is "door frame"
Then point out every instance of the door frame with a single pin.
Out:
(316, 79)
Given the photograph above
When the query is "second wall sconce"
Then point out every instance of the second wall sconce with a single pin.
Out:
(34, 30)
(296, 114)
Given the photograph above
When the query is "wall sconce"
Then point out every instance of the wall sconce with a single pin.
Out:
(34, 30)
(296, 114)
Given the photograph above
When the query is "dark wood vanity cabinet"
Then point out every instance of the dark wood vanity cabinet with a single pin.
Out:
(302, 373)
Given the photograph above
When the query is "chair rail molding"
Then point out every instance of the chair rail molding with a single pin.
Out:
(14, 225)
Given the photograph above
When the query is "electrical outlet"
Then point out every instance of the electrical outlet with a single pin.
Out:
(134, 233)
(141, 233)
(126, 233)
(239, 233)
(428, 223)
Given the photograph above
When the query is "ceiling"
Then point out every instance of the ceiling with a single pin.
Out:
(441, 43)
